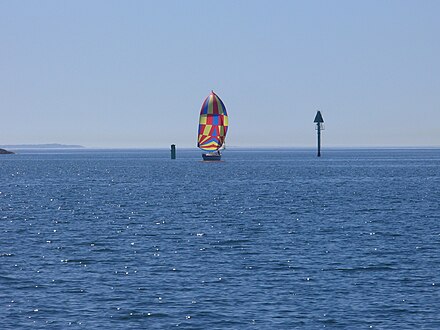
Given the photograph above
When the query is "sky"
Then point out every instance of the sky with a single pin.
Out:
(135, 73)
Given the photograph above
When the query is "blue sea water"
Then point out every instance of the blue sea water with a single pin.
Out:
(129, 239)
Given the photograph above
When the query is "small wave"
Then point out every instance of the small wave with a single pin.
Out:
(8, 278)
(78, 261)
(363, 269)
(141, 315)
(232, 242)
(96, 250)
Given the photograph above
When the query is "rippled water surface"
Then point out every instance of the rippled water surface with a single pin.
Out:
(265, 239)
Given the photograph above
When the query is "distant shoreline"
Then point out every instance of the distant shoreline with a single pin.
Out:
(5, 152)
(42, 146)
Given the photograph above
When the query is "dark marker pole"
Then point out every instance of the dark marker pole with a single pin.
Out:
(173, 151)
(319, 126)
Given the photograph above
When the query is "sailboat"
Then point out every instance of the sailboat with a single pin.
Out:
(213, 126)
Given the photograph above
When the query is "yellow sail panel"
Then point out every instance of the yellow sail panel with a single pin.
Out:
(202, 119)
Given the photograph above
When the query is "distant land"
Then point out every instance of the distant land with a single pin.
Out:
(42, 146)
(5, 152)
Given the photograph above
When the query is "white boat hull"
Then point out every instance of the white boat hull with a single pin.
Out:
(212, 157)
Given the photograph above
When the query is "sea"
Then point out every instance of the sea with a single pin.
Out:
(264, 239)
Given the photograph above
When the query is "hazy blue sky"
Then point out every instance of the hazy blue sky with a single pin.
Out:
(135, 73)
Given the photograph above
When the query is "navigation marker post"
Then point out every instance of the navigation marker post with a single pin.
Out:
(319, 126)
(173, 151)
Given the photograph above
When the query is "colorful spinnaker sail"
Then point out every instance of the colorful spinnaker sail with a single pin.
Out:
(213, 123)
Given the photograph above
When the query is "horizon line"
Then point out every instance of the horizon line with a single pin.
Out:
(50, 146)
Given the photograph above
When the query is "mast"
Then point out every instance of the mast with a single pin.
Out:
(319, 126)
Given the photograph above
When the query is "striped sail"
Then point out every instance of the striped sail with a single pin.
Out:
(213, 123)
